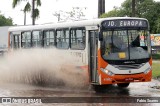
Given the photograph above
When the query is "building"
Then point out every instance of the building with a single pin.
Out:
(3, 39)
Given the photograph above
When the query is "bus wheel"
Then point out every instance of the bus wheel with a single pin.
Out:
(100, 88)
(123, 85)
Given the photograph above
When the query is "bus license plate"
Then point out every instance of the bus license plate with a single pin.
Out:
(129, 79)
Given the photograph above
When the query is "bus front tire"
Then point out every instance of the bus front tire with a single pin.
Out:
(123, 85)
(100, 88)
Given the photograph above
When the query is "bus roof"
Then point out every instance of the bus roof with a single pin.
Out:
(58, 25)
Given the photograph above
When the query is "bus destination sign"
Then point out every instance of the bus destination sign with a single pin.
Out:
(124, 23)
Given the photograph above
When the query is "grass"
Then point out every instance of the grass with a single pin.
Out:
(156, 69)
(156, 65)
(156, 56)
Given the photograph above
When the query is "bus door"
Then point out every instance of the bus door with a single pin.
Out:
(93, 48)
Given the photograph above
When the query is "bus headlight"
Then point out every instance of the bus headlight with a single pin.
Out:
(104, 70)
(110, 73)
(147, 70)
(107, 72)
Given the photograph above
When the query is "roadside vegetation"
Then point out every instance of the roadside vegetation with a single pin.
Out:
(156, 66)
(156, 56)
(156, 70)
(148, 9)
(4, 21)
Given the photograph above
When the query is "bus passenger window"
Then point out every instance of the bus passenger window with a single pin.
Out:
(63, 39)
(49, 40)
(26, 40)
(11, 40)
(78, 38)
(36, 39)
(16, 41)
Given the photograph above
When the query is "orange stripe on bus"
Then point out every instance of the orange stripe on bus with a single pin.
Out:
(8, 40)
(84, 67)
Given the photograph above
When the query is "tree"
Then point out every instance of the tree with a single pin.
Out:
(148, 9)
(133, 8)
(5, 21)
(158, 25)
(116, 12)
(101, 7)
(77, 13)
(27, 8)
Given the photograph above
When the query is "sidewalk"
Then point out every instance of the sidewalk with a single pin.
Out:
(156, 61)
(155, 84)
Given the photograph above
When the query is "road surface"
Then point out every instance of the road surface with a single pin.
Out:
(147, 89)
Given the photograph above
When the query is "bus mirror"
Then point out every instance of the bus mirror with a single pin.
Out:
(100, 36)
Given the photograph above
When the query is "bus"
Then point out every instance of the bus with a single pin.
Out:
(114, 50)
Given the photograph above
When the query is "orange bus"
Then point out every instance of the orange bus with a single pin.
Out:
(113, 50)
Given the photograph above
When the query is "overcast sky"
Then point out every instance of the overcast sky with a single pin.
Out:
(49, 7)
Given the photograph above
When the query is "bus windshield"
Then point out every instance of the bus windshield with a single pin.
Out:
(125, 44)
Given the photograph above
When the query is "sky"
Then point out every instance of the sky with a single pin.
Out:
(49, 7)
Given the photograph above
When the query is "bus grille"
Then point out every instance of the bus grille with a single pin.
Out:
(126, 67)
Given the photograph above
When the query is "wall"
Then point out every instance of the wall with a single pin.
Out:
(4, 36)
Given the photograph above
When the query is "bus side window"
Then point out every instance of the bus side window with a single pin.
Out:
(78, 38)
(15, 41)
(26, 39)
(11, 40)
(36, 39)
(63, 38)
(49, 38)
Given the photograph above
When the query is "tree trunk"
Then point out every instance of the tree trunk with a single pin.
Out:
(33, 18)
(133, 8)
(101, 7)
(24, 18)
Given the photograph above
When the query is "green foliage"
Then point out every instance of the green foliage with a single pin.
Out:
(36, 13)
(38, 2)
(113, 13)
(15, 2)
(158, 25)
(156, 56)
(126, 8)
(155, 65)
(5, 21)
(148, 9)
(155, 70)
(27, 7)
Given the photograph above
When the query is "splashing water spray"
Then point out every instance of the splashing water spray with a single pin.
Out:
(42, 67)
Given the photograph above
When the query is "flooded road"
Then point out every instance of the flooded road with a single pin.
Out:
(23, 90)
(134, 90)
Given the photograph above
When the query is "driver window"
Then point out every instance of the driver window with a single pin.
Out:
(143, 38)
(120, 40)
(107, 44)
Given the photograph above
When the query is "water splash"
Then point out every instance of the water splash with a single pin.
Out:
(42, 67)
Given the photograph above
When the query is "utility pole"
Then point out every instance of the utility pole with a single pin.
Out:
(101, 7)
(133, 8)
(33, 6)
